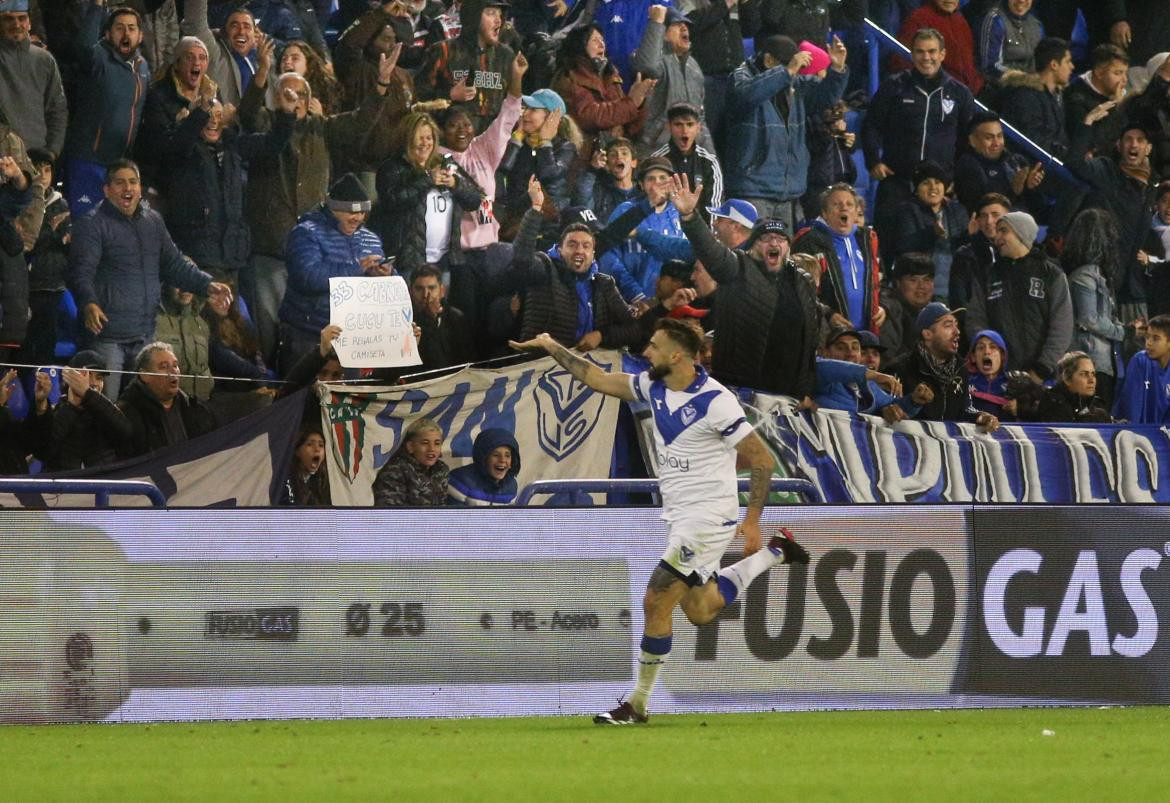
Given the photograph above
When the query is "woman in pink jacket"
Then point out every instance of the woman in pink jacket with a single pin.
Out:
(478, 158)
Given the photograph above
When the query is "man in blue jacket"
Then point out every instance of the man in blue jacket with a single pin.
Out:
(767, 152)
(110, 96)
(121, 254)
(915, 115)
(329, 241)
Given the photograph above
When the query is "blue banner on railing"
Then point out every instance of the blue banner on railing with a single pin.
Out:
(859, 459)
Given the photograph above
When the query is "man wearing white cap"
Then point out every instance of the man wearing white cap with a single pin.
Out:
(30, 84)
(733, 222)
(1026, 299)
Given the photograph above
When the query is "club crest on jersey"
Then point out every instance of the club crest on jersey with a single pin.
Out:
(349, 432)
(688, 414)
(566, 412)
(685, 553)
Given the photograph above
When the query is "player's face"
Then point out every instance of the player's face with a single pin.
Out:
(846, 348)
(426, 447)
(988, 357)
(1084, 378)
(662, 354)
(499, 462)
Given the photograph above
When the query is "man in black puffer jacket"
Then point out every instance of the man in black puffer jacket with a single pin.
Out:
(160, 414)
(564, 293)
(771, 343)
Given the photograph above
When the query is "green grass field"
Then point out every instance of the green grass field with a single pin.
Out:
(1094, 754)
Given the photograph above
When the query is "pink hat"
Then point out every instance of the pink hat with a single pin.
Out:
(820, 58)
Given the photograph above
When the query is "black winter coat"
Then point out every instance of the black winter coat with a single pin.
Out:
(88, 435)
(204, 188)
(952, 396)
(400, 217)
(747, 297)
(718, 37)
(145, 414)
(550, 297)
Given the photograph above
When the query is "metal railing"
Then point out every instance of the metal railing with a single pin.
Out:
(807, 490)
(878, 38)
(102, 490)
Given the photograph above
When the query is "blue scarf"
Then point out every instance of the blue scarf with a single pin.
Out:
(247, 69)
(584, 286)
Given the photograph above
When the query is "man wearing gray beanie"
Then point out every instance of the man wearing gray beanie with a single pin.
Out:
(1025, 298)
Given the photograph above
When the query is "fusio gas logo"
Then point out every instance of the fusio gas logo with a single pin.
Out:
(1020, 628)
(253, 624)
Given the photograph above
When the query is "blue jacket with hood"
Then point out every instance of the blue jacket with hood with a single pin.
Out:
(1144, 396)
(987, 394)
(842, 386)
(473, 484)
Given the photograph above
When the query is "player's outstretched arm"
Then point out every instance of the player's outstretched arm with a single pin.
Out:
(754, 454)
(611, 384)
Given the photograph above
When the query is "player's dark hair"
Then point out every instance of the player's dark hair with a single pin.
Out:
(684, 335)
(1050, 49)
(1161, 323)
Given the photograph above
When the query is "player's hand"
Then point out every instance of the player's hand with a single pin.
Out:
(542, 342)
(753, 539)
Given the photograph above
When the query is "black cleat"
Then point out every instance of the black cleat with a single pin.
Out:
(783, 543)
(624, 714)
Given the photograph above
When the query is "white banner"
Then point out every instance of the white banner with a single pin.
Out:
(376, 320)
(564, 429)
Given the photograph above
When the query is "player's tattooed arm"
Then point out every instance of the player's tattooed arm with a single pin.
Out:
(756, 456)
(611, 384)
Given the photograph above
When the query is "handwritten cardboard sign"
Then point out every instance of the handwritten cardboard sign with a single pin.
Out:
(376, 320)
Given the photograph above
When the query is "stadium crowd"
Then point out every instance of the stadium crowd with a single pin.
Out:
(179, 180)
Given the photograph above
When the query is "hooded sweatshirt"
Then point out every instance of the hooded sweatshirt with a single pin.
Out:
(473, 483)
(987, 394)
(1144, 396)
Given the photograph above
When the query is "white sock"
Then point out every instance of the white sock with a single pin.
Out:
(741, 574)
(650, 663)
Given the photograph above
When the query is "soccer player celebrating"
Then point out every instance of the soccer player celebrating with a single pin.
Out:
(699, 428)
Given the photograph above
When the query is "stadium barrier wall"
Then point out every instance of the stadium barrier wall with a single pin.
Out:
(145, 615)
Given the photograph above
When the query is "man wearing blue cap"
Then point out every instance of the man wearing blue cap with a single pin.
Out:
(664, 55)
(30, 84)
(935, 362)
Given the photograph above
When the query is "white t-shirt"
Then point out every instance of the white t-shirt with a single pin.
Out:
(695, 431)
(440, 208)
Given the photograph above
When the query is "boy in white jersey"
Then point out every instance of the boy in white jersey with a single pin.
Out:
(699, 429)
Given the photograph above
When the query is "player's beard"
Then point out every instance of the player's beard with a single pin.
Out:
(657, 372)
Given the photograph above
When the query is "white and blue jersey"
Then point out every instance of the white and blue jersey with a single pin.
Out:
(695, 431)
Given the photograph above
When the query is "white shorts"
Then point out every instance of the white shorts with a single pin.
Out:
(694, 549)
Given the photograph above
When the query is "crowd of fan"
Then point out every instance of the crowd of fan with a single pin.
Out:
(179, 181)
